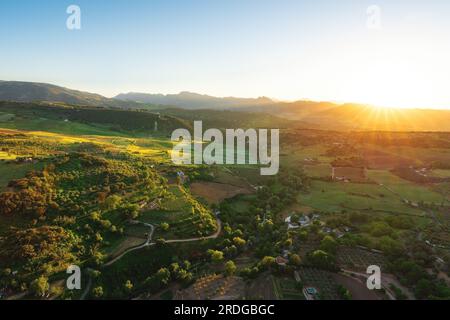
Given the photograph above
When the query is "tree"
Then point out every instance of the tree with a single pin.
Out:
(227, 229)
(6, 272)
(303, 235)
(230, 268)
(380, 228)
(389, 246)
(165, 226)
(184, 276)
(268, 261)
(216, 255)
(95, 216)
(344, 293)
(424, 289)
(112, 202)
(328, 244)
(175, 267)
(187, 264)
(46, 248)
(295, 218)
(321, 260)
(128, 285)
(98, 237)
(94, 273)
(295, 259)
(160, 242)
(131, 211)
(97, 256)
(97, 292)
(399, 295)
(230, 251)
(288, 242)
(250, 273)
(239, 242)
(266, 225)
(163, 275)
(40, 286)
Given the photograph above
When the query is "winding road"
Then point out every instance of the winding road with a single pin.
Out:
(146, 244)
(213, 236)
(149, 243)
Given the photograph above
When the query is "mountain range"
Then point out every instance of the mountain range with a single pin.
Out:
(317, 115)
(190, 100)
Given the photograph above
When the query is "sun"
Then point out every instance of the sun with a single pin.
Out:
(386, 71)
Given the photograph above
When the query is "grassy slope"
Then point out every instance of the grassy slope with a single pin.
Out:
(57, 126)
(10, 171)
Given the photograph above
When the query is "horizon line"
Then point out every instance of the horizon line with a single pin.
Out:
(273, 99)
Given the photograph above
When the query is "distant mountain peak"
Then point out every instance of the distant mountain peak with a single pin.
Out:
(192, 100)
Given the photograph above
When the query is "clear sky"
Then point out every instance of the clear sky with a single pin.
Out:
(319, 50)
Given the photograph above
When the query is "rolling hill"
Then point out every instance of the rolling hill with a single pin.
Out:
(32, 91)
(64, 118)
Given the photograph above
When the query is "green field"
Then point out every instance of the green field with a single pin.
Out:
(405, 189)
(57, 126)
(336, 196)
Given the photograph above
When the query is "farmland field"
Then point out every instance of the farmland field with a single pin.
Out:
(405, 189)
(334, 197)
